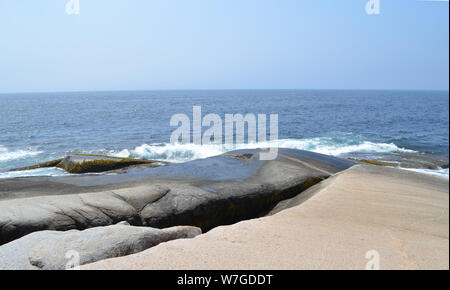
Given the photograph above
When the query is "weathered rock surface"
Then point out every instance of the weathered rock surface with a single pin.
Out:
(205, 193)
(365, 217)
(51, 250)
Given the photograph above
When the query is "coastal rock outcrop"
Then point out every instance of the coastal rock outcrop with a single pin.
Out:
(96, 163)
(341, 224)
(91, 163)
(205, 193)
(52, 163)
(51, 250)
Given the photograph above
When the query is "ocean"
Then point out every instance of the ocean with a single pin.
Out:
(381, 125)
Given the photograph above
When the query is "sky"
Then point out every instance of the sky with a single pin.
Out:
(223, 44)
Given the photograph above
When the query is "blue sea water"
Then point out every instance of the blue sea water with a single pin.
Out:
(45, 126)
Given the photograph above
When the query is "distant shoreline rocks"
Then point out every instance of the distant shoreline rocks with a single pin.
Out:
(91, 163)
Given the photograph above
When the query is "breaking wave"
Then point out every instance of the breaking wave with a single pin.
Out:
(36, 172)
(7, 155)
(177, 153)
(324, 145)
(436, 172)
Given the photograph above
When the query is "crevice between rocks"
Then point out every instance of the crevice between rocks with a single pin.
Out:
(208, 216)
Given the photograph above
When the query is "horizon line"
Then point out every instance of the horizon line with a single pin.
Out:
(219, 89)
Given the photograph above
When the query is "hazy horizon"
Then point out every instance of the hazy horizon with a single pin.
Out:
(230, 89)
(143, 45)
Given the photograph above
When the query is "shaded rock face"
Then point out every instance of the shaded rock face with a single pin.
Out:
(50, 250)
(204, 193)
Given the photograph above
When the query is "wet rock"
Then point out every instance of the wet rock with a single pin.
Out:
(48, 164)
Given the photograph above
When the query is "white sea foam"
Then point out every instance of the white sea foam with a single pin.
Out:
(325, 145)
(177, 153)
(436, 172)
(328, 146)
(186, 152)
(7, 155)
(52, 171)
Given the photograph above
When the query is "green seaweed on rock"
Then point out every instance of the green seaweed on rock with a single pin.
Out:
(102, 165)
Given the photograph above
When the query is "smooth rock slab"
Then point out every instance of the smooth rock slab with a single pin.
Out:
(205, 193)
(51, 250)
(339, 224)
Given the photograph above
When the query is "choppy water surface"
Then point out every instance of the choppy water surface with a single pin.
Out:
(41, 127)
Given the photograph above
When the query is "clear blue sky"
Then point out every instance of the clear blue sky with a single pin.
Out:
(222, 44)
